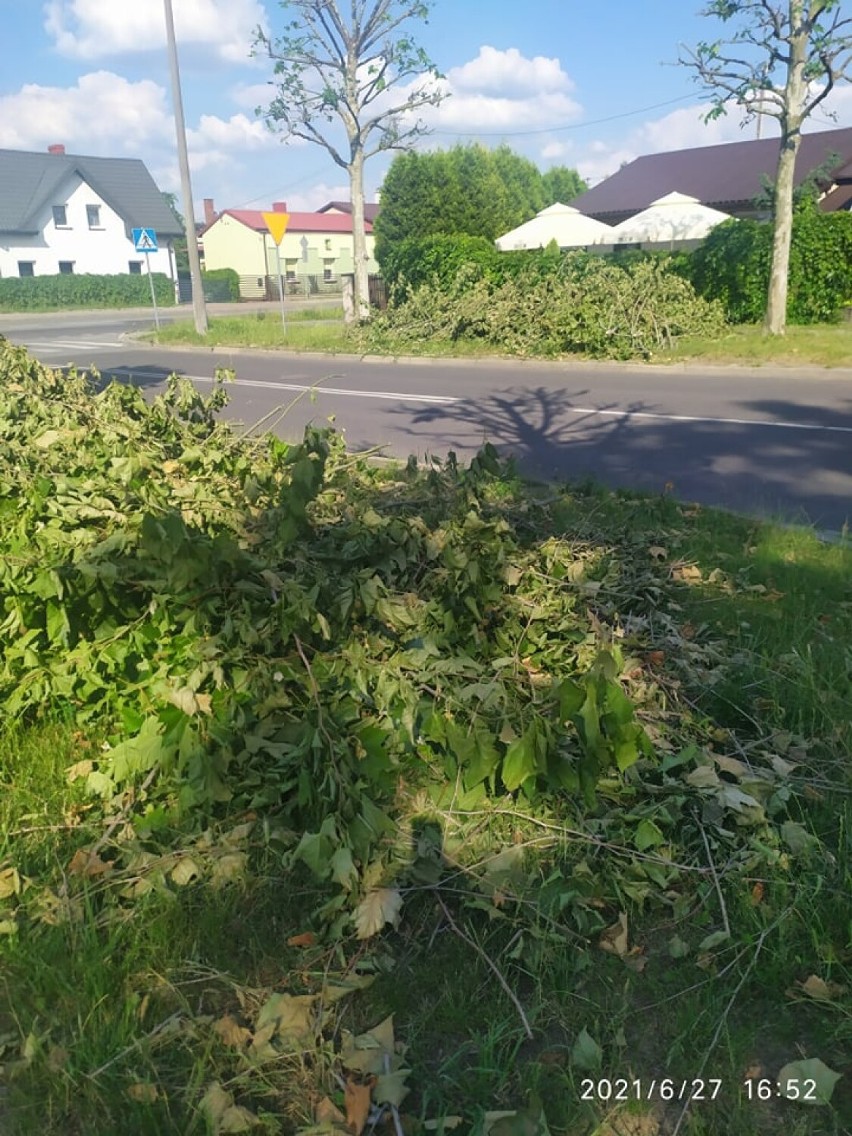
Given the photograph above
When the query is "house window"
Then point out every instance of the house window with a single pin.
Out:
(26, 268)
(328, 270)
(135, 267)
(60, 216)
(93, 216)
(328, 244)
(66, 267)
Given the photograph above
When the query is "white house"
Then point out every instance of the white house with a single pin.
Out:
(64, 213)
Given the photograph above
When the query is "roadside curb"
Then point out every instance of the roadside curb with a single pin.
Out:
(492, 362)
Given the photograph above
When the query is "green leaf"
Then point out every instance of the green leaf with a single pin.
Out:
(648, 835)
(520, 764)
(795, 1081)
(586, 1054)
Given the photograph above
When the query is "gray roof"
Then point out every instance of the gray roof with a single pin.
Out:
(30, 181)
(721, 176)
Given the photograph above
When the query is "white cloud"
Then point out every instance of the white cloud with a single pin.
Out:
(498, 91)
(91, 29)
(493, 72)
(77, 116)
(252, 95)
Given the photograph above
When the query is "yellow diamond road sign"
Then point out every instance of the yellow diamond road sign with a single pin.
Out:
(277, 225)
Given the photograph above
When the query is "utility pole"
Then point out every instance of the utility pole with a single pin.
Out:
(198, 305)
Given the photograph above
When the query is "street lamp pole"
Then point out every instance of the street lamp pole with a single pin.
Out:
(198, 305)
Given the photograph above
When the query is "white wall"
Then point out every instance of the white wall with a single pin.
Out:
(105, 250)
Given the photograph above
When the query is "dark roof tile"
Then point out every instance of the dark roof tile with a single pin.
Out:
(725, 175)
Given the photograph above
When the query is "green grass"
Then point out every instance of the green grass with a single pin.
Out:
(109, 993)
(828, 345)
(822, 345)
(306, 330)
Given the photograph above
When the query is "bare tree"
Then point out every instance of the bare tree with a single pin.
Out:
(358, 68)
(783, 59)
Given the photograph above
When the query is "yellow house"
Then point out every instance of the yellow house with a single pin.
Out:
(315, 252)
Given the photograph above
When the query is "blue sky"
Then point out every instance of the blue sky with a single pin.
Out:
(539, 75)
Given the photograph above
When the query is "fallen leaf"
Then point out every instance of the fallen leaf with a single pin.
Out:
(378, 908)
(358, 1099)
(614, 939)
(791, 1081)
(88, 863)
(10, 883)
(79, 770)
(214, 1104)
(185, 871)
(390, 1088)
(757, 893)
(231, 1032)
(370, 1052)
(655, 658)
(237, 1119)
(688, 573)
(327, 1112)
(143, 1092)
(731, 765)
(586, 1054)
(291, 1015)
(229, 869)
(822, 991)
(306, 939)
(796, 837)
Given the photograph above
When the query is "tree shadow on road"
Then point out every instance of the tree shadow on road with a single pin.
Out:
(792, 462)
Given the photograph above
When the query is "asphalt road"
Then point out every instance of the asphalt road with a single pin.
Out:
(768, 441)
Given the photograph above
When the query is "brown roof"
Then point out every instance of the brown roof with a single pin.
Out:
(370, 210)
(839, 198)
(298, 223)
(719, 176)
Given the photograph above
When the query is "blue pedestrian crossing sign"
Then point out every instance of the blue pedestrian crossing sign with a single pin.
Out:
(145, 240)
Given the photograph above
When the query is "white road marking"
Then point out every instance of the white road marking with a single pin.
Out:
(698, 418)
(397, 396)
(73, 345)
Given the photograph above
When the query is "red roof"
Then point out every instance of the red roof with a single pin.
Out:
(299, 222)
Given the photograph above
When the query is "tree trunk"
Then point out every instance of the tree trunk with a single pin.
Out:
(776, 306)
(791, 136)
(359, 238)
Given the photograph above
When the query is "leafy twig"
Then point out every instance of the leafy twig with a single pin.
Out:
(489, 962)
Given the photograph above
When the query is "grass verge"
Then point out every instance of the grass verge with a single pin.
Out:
(124, 999)
(822, 345)
(314, 329)
(827, 345)
(413, 799)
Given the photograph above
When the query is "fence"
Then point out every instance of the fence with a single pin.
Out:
(269, 288)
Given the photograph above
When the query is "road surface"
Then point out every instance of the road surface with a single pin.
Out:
(768, 441)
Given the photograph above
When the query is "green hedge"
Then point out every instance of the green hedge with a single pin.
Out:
(436, 260)
(41, 293)
(221, 285)
(732, 266)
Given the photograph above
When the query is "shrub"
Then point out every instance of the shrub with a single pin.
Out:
(39, 293)
(437, 260)
(733, 264)
(221, 285)
(587, 305)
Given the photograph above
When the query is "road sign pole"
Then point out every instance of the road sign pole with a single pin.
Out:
(153, 292)
(280, 285)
